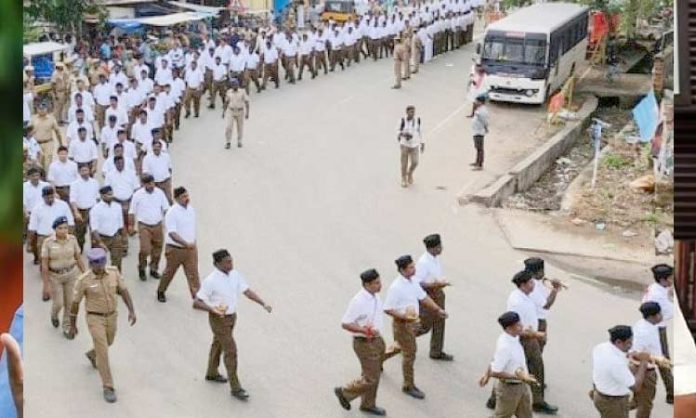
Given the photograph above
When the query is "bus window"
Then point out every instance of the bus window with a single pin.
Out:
(514, 50)
(493, 50)
(535, 52)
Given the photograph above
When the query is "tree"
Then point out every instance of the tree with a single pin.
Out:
(67, 15)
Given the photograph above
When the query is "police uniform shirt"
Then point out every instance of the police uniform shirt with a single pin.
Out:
(106, 218)
(110, 166)
(525, 307)
(646, 339)
(149, 207)
(159, 166)
(100, 294)
(660, 294)
(82, 150)
(102, 93)
(181, 220)
(237, 63)
(404, 294)
(684, 356)
(221, 288)
(610, 372)
(72, 134)
(123, 182)
(428, 269)
(540, 296)
(31, 195)
(509, 355)
(365, 309)
(43, 216)
(84, 193)
(119, 112)
(60, 253)
(62, 173)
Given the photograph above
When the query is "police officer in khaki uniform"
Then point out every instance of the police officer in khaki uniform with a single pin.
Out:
(400, 56)
(99, 286)
(61, 263)
(45, 125)
(60, 83)
(236, 110)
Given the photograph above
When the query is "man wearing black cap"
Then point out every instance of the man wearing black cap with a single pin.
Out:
(402, 304)
(646, 339)
(106, 222)
(180, 244)
(147, 209)
(541, 295)
(101, 313)
(611, 375)
(429, 275)
(364, 320)
(662, 292)
(42, 217)
(84, 194)
(219, 296)
(512, 394)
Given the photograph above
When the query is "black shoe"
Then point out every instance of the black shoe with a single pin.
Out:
(154, 275)
(239, 144)
(68, 336)
(670, 399)
(240, 394)
(545, 408)
(161, 297)
(55, 322)
(141, 274)
(196, 115)
(443, 357)
(375, 410)
(342, 399)
(217, 378)
(211, 107)
(227, 145)
(45, 298)
(490, 403)
(109, 395)
(187, 115)
(414, 392)
(92, 360)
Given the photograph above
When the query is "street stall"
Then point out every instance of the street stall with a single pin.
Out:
(43, 56)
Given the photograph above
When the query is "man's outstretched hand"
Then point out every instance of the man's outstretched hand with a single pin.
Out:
(15, 370)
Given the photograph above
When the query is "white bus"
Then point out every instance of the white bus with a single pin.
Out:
(532, 52)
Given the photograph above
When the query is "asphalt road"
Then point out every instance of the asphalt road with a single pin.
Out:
(312, 200)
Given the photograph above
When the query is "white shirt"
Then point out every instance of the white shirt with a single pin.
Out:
(62, 173)
(108, 135)
(119, 112)
(525, 308)
(129, 152)
(72, 134)
(84, 193)
(412, 127)
(31, 195)
(290, 48)
(660, 294)
(142, 133)
(509, 355)
(270, 55)
(684, 356)
(428, 269)
(155, 117)
(181, 220)
(72, 113)
(149, 207)
(110, 166)
(159, 166)
(33, 147)
(124, 182)
(102, 93)
(43, 215)
(610, 372)
(646, 339)
(118, 78)
(237, 63)
(220, 288)
(306, 47)
(82, 150)
(365, 309)
(540, 296)
(138, 71)
(27, 103)
(106, 219)
(163, 76)
(178, 88)
(87, 98)
(135, 97)
(404, 293)
(194, 78)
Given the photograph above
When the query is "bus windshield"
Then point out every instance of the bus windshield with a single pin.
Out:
(499, 50)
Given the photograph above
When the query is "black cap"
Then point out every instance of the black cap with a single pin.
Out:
(47, 190)
(521, 277)
(649, 309)
(220, 255)
(662, 271)
(533, 264)
(105, 190)
(60, 221)
(32, 171)
(508, 318)
(147, 178)
(403, 261)
(179, 191)
(620, 333)
(369, 275)
(432, 240)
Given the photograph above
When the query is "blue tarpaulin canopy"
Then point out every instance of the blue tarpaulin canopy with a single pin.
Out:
(126, 25)
(647, 114)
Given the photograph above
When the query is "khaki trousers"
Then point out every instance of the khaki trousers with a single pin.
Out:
(398, 64)
(543, 327)
(370, 353)
(103, 331)
(81, 227)
(417, 52)
(535, 364)
(336, 57)
(223, 346)
(63, 193)
(408, 153)
(151, 239)
(610, 406)
(270, 70)
(290, 68)
(62, 294)
(234, 117)
(60, 106)
(405, 337)
(176, 257)
(194, 94)
(47, 150)
(320, 61)
(249, 77)
(166, 187)
(666, 374)
(219, 89)
(512, 400)
(99, 114)
(208, 81)
(306, 61)
(429, 320)
(644, 398)
(115, 246)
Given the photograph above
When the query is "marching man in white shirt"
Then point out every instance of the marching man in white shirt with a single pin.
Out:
(84, 151)
(84, 194)
(219, 296)
(306, 49)
(510, 368)
(194, 86)
(124, 183)
(62, 172)
(106, 222)
(429, 275)
(402, 304)
(147, 209)
(662, 292)
(611, 375)
(180, 243)
(159, 165)
(31, 197)
(364, 320)
(646, 339)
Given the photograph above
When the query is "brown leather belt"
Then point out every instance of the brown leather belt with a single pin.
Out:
(511, 382)
(101, 314)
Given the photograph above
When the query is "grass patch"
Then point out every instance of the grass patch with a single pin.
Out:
(616, 161)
